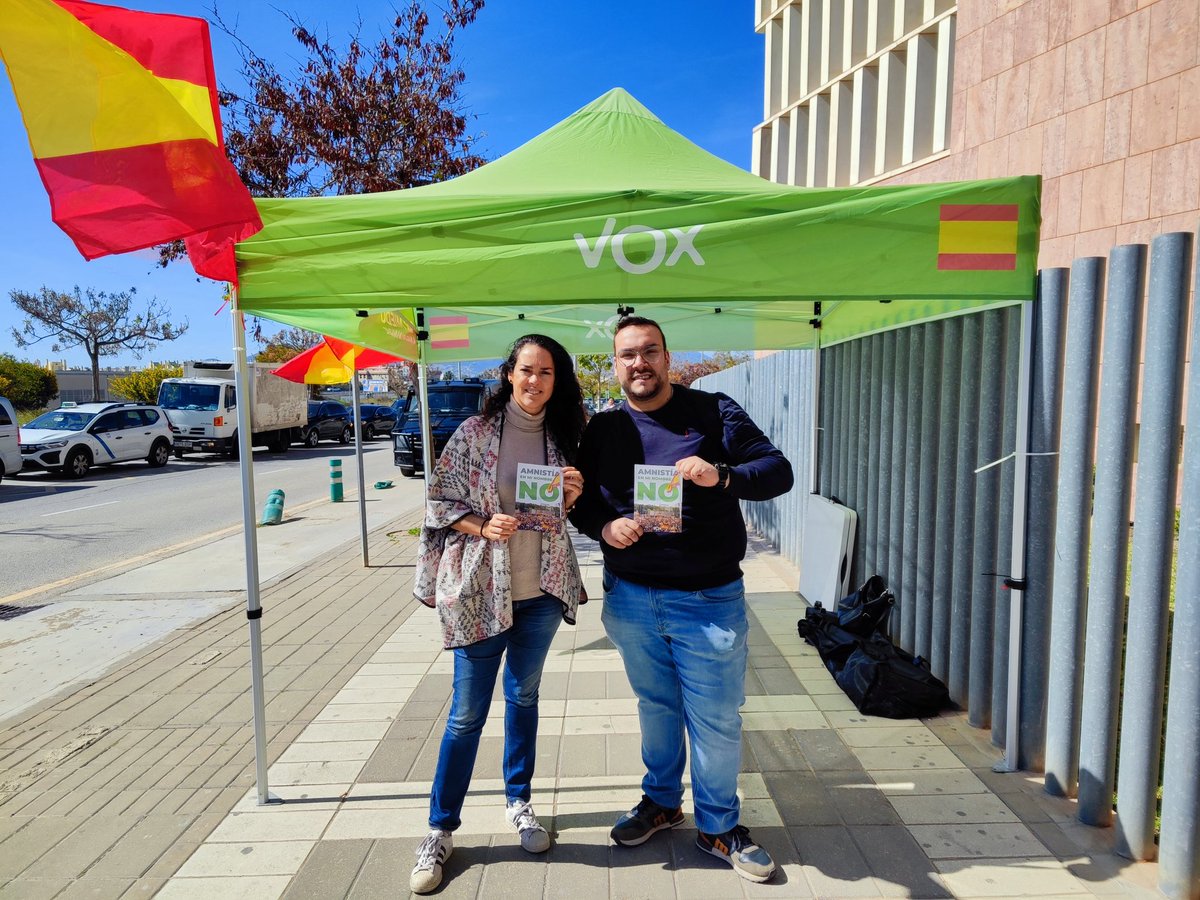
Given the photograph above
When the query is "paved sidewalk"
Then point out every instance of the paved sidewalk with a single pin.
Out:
(142, 782)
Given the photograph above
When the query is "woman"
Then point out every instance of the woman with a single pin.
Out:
(499, 591)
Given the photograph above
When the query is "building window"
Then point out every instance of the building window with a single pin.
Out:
(855, 90)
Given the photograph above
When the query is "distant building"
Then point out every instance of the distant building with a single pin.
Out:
(75, 385)
(373, 380)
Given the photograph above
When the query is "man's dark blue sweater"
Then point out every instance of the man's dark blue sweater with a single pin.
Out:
(692, 423)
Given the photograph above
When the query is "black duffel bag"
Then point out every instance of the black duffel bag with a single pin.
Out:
(885, 680)
(835, 644)
(880, 678)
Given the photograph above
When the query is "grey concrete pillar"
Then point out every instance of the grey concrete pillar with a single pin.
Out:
(1073, 525)
(1110, 534)
(1179, 846)
(1153, 544)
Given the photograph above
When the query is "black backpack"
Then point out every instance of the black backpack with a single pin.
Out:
(879, 677)
(867, 610)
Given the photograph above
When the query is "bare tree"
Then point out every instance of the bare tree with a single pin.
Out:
(377, 116)
(398, 380)
(102, 323)
(283, 345)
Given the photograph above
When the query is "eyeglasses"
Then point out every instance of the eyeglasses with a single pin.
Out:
(650, 356)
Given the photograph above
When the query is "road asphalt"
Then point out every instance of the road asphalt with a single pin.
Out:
(84, 628)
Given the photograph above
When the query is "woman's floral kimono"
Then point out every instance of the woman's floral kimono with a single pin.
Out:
(466, 577)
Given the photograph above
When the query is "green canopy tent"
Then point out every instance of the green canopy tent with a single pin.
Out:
(610, 211)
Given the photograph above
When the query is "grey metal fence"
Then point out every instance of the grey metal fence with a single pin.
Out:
(777, 392)
(918, 429)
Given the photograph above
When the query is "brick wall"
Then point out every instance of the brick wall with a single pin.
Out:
(1102, 97)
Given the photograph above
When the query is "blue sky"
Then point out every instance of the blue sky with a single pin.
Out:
(697, 65)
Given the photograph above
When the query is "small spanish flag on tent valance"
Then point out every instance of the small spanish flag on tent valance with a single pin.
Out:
(122, 115)
(978, 236)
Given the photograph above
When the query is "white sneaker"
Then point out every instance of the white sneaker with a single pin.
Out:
(433, 852)
(519, 815)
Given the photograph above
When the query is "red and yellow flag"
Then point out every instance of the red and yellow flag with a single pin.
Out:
(122, 116)
(981, 236)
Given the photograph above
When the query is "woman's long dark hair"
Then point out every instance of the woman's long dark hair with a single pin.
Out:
(565, 416)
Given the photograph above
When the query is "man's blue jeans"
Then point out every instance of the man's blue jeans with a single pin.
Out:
(685, 656)
(475, 666)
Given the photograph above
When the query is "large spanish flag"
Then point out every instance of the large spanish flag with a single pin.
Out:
(122, 115)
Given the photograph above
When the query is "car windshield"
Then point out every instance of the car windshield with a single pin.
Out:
(450, 401)
(180, 395)
(62, 420)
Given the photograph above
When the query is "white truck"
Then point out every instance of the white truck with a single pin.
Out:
(202, 408)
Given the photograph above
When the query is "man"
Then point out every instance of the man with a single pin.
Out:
(674, 604)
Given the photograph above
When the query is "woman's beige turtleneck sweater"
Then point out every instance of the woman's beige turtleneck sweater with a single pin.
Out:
(523, 441)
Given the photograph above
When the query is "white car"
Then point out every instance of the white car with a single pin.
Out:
(74, 438)
(10, 437)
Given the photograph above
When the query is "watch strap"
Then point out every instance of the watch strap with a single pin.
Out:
(724, 476)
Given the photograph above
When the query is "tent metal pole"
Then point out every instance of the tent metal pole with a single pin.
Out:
(814, 472)
(253, 605)
(1019, 529)
(423, 380)
(358, 455)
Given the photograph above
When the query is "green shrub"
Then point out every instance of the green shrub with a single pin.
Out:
(29, 386)
(142, 386)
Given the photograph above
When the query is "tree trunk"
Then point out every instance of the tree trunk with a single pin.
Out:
(95, 357)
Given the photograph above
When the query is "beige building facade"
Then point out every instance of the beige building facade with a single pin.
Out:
(1100, 97)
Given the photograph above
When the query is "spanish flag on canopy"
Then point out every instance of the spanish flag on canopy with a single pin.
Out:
(122, 115)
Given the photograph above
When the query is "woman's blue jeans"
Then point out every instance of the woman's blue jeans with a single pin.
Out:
(475, 666)
(685, 656)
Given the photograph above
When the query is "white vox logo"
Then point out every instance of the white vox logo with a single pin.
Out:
(684, 244)
(601, 328)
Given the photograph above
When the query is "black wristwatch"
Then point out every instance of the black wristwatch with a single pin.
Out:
(724, 476)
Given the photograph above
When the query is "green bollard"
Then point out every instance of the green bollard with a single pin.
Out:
(273, 510)
(335, 480)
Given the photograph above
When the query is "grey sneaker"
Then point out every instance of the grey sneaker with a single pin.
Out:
(519, 815)
(736, 847)
(431, 856)
(645, 819)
